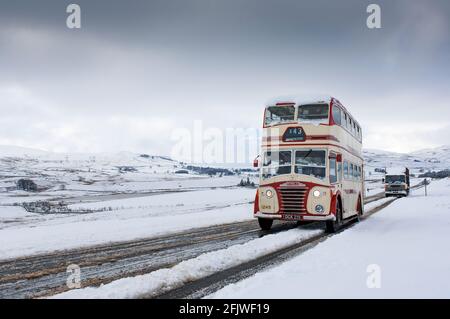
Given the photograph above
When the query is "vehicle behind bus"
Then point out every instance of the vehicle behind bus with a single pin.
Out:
(396, 182)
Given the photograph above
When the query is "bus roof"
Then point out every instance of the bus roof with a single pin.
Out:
(299, 99)
(307, 99)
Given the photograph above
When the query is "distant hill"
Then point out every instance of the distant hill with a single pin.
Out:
(18, 151)
(427, 159)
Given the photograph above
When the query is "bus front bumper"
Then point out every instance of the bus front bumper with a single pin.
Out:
(295, 217)
(395, 192)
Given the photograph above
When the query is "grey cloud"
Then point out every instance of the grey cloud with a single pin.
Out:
(179, 61)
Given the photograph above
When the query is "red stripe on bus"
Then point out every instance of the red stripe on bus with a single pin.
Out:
(308, 137)
(322, 137)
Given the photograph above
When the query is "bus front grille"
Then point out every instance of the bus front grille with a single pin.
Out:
(293, 199)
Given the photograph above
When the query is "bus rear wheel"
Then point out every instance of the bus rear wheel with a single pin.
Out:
(334, 225)
(265, 223)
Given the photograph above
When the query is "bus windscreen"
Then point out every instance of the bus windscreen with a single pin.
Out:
(395, 179)
(311, 162)
(276, 163)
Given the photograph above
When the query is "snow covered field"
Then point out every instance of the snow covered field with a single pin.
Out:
(406, 244)
(24, 233)
(65, 176)
(134, 196)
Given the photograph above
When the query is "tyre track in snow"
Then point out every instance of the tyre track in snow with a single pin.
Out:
(42, 275)
(45, 274)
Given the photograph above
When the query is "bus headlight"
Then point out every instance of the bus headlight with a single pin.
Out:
(269, 193)
(316, 193)
(319, 209)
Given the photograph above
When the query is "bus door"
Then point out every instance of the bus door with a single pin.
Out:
(347, 186)
(335, 170)
(353, 188)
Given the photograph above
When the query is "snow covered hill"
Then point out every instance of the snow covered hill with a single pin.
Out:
(18, 151)
(428, 159)
(75, 174)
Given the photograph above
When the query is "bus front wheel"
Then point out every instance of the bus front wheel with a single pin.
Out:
(265, 223)
(334, 225)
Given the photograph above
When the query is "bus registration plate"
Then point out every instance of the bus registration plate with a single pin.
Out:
(291, 217)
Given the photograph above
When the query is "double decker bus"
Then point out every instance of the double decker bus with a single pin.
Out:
(311, 165)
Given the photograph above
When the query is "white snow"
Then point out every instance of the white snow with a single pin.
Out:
(67, 175)
(417, 162)
(94, 180)
(407, 242)
(11, 150)
(146, 199)
(25, 234)
(377, 203)
(395, 171)
(192, 269)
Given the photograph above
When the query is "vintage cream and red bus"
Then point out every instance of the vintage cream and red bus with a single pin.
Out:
(311, 166)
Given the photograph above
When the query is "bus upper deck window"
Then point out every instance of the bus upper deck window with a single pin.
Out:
(313, 113)
(337, 115)
(279, 114)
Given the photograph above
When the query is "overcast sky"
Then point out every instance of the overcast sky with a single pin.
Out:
(137, 70)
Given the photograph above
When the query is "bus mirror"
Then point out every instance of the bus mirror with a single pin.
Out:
(339, 158)
(382, 180)
(256, 162)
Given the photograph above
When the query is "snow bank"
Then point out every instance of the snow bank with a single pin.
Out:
(377, 203)
(407, 243)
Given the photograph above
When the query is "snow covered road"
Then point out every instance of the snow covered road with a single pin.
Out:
(104, 263)
(402, 252)
(112, 260)
(210, 263)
